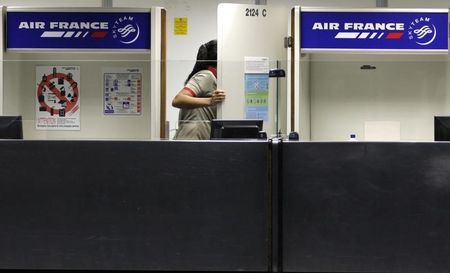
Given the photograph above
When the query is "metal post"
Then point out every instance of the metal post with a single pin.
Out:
(382, 3)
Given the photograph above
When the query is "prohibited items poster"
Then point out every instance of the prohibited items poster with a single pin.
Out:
(58, 98)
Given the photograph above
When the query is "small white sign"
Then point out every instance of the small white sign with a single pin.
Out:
(256, 65)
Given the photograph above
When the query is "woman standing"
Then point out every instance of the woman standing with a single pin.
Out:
(199, 97)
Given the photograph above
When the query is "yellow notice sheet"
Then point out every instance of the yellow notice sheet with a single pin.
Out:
(180, 26)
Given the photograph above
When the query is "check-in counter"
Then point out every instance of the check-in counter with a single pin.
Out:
(365, 207)
(251, 206)
(134, 205)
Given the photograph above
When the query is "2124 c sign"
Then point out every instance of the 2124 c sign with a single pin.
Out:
(255, 12)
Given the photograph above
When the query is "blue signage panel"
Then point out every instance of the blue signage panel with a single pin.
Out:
(374, 31)
(78, 30)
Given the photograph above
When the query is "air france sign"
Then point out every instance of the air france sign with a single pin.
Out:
(78, 30)
(374, 30)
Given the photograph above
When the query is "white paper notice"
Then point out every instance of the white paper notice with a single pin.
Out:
(256, 65)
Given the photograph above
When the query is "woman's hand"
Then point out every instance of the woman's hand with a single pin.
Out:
(218, 96)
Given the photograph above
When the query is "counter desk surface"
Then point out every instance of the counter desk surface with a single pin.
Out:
(213, 205)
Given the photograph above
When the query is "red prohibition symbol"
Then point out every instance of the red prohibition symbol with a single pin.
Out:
(67, 99)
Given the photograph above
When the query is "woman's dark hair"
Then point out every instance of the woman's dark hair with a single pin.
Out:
(206, 56)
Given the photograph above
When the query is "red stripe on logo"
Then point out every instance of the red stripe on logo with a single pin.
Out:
(99, 34)
(394, 35)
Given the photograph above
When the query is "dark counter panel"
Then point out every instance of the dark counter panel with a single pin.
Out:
(366, 207)
(134, 205)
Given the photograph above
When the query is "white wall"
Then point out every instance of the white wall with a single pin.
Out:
(182, 50)
(419, 4)
(51, 3)
(324, 3)
(409, 90)
(202, 16)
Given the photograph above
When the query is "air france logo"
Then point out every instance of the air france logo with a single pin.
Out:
(356, 30)
(126, 30)
(67, 29)
(422, 31)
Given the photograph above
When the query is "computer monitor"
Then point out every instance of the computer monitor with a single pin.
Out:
(441, 128)
(11, 127)
(238, 128)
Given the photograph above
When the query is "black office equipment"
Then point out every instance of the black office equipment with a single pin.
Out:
(442, 128)
(11, 127)
(277, 73)
(293, 136)
(237, 129)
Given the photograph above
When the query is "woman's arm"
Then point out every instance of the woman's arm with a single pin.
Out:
(185, 99)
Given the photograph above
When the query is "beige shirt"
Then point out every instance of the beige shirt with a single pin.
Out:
(195, 123)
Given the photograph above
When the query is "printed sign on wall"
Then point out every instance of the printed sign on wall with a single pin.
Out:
(122, 91)
(58, 98)
(374, 30)
(78, 30)
(256, 88)
(180, 26)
